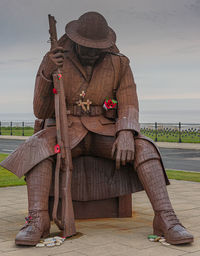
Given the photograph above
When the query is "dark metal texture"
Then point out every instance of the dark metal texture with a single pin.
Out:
(38, 186)
(64, 157)
(119, 207)
(165, 221)
(91, 30)
(94, 136)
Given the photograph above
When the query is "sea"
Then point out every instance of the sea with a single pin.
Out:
(146, 116)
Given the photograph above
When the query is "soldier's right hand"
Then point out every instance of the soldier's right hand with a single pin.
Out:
(124, 147)
(54, 60)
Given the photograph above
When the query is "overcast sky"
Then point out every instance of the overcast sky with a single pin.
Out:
(161, 39)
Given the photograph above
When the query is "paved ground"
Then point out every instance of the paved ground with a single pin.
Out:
(113, 237)
(179, 156)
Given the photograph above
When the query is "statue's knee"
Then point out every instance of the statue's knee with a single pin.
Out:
(144, 151)
(45, 167)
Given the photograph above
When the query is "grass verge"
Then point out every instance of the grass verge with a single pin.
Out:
(163, 135)
(9, 179)
(17, 131)
(182, 175)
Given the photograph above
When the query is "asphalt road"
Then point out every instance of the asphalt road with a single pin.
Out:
(8, 146)
(179, 159)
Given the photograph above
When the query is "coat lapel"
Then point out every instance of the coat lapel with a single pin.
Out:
(72, 56)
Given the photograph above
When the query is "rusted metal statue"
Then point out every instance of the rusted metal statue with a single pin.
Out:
(85, 74)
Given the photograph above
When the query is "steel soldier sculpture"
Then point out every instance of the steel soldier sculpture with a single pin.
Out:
(102, 110)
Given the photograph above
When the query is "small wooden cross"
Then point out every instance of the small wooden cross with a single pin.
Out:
(82, 94)
(88, 103)
(82, 104)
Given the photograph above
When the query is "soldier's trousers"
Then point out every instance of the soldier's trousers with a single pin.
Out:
(147, 163)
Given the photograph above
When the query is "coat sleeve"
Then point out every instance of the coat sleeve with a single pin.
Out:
(128, 111)
(43, 102)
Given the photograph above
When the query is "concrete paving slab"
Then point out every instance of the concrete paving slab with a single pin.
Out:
(178, 145)
(8, 137)
(113, 237)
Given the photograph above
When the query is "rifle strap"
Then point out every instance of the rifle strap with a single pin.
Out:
(58, 160)
(56, 192)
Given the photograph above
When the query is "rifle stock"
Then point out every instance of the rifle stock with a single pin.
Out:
(64, 157)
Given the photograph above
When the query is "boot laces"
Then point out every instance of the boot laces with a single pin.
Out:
(171, 217)
(32, 220)
(28, 219)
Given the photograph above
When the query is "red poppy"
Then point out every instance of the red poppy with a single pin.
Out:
(57, 148)
(54, 91)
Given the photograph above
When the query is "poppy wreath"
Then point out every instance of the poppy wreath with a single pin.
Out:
(110, 104)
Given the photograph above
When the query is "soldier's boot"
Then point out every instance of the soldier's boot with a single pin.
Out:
(38, 223)
(165, 221)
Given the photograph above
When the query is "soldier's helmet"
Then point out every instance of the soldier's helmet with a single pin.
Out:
(91, 30)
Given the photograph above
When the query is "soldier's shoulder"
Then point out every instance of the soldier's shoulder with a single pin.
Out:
(114, 51)
(124, 60)
(118, 55)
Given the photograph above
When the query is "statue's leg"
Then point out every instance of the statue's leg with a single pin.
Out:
(38, 186)
(150, 172)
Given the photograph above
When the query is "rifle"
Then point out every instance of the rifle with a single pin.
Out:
(62, 148)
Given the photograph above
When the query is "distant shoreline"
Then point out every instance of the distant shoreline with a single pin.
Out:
(149, 116)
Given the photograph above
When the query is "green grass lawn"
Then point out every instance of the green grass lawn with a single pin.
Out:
(9, 179)
(168, 135)
(163, 135)
(17, 131)
(182, 175)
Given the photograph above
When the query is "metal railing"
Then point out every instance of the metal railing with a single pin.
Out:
(16, 128)
(172, 132)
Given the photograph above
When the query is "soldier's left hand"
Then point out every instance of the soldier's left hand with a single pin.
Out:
(124, 148)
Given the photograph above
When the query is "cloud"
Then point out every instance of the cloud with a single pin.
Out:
(161, 38)
(18, 61)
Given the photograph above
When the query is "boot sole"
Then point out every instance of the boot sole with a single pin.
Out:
(19, 242)
(25, 242)
(183, 241)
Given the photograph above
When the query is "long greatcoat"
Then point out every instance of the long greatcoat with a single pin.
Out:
(111, 72)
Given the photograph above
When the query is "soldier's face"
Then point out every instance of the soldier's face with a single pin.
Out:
(88, 56)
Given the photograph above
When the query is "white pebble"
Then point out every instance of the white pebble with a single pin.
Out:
(162, 240)
(165, 243)
(60, 241)
(50, 244)
(40, 245)
(151, 239)
(58, 237)
(49, 239)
